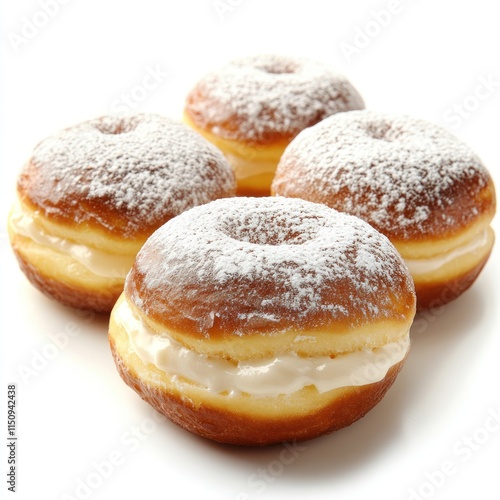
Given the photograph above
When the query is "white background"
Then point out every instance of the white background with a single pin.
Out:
(75, 413)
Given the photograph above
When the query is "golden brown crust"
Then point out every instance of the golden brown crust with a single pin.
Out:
(51, 262)
(432, 197)
(463, 257)
(62, 277)
(124, 176)
(253, 107)
(437, 294)
(69, 294)
(227, 422)
(267, 99)
(471, 204)
(82, 233)
(259, 187)
(165, 315)
(410, 179)
(436, 246)
(247, 268)
(91, 195)
(339, 339)
(249, 151)
(246, 279)
(254, 164)
(231, 126)
(31, 184)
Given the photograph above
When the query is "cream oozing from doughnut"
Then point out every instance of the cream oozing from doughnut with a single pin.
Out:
(91, 194)
(412, 180)
(282, 374)
(422, 266)
(259, 320)
(97, 261)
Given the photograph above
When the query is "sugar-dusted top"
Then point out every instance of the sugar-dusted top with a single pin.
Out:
(406, 177)
(125, 174)
(268, 98)
(246, 265)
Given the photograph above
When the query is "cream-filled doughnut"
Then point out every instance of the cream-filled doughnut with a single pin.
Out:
(252, 107)
(415, 182)
(257, 320)
(90, 195)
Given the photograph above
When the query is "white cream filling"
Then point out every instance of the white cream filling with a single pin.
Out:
(243, 169)
(98, 262)
(422, 266)
(284, 374)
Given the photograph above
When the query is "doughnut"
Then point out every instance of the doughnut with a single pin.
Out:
(252, 108)
(90, 195)
(413, 181)
(252, 321)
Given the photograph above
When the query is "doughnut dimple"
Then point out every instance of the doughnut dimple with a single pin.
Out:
(90, 195)
(123, 175)
(412, 180)
(233, 309)
(252, 107)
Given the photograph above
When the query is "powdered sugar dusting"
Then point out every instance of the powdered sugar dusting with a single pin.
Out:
(145, 167)
(277, 261)
(403, 175)
(265, 97)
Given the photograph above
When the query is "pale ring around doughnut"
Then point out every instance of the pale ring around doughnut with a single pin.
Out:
(257, 320)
